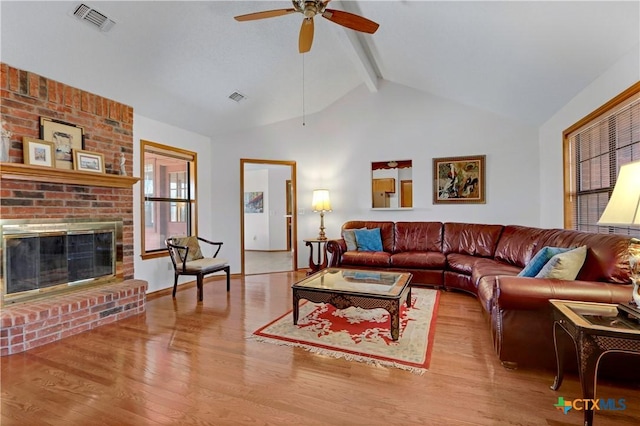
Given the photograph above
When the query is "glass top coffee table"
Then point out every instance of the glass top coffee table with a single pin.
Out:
(343, 288)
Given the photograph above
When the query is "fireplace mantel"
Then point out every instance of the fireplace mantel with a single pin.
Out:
(28, 172)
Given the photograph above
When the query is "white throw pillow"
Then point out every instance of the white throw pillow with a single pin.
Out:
(349, 236)
(564, 266)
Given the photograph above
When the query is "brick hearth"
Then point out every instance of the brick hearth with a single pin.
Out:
(36, 323)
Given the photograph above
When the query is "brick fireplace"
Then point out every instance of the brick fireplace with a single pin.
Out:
(33, 192)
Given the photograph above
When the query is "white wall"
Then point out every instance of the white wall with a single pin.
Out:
(157, 272)
(256, 225)
(614, 81)
(267, 230)
(335, 148)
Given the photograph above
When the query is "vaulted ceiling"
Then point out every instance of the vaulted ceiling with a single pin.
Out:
(178, 61)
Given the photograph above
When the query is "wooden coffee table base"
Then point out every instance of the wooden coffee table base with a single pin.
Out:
(343, 301)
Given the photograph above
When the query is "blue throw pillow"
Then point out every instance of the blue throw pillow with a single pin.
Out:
(368, 239)
(541, 258)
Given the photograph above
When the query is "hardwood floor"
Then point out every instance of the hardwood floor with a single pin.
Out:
(184, 363)
(264, 262)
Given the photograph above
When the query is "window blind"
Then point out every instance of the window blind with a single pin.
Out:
(597, 149)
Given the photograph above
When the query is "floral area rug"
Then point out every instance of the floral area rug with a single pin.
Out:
(361, 334)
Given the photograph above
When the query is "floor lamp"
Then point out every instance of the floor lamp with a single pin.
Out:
(623, 209)
(321, 203)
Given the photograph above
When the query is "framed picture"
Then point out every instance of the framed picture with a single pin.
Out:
(38, 152)
(88, 161)
(253, 202)
(65, 137)
(459, 180)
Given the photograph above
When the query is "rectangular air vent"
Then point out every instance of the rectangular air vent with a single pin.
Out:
(237, 96)
(93, 17)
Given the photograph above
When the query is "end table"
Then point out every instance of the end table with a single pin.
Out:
(595, 328)
(321, 262)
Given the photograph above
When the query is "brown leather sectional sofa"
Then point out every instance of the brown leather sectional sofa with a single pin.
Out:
(484, 260)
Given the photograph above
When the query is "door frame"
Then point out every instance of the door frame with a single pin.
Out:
(288, 189)
(294, 207)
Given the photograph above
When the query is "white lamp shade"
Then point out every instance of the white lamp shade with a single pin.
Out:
(321, 202)
(623, 207)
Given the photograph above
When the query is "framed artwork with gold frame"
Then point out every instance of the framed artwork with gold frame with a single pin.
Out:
(459, 180)
(88, 161)
(38, 152)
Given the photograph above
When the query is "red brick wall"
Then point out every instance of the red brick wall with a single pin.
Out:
(108, 129)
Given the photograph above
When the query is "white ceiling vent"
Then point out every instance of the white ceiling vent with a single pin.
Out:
(237, 96)
(93, 17)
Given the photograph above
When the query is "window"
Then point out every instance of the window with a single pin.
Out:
(595, 148)
(169, 195)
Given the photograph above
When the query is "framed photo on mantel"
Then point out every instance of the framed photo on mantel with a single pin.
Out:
(88, 161)
(459, 180)
(66, 138)
(38, 152)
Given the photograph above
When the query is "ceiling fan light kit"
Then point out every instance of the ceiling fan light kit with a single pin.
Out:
(311, 8)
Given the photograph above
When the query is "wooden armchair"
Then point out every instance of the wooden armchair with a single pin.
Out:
(187, 259)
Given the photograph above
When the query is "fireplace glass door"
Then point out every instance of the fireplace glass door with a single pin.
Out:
(40, 261)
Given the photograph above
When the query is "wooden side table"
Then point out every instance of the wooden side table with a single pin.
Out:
(596, 329)
(321, 260)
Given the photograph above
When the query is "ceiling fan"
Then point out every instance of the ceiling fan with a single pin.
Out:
(311, 8)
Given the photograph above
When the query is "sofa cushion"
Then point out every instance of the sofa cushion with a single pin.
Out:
(564, 266)
(491, 268)
(206, 265)
(488, 267)
(541, 258)
(368, 239)
(419, 259)
(366, 258)
(518, 244)
(483, 267)
(470, 238)
(462, 263)
(418, 237)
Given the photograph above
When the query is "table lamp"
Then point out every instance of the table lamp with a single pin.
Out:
(321, 203)
(623, 208)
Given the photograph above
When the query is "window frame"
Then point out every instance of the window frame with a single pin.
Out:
(619, 102)
(192, 219)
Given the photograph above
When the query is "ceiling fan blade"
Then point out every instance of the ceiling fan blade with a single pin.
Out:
(264, 14)
(350, 20)
(306, 35)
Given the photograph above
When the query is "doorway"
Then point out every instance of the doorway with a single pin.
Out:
(268, 216)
